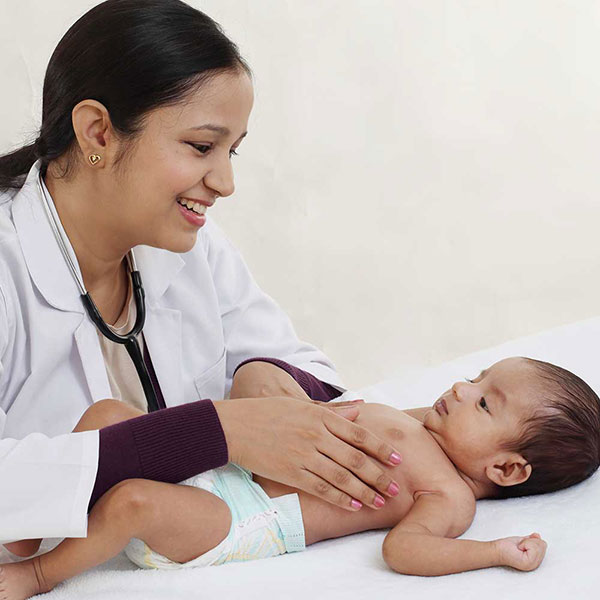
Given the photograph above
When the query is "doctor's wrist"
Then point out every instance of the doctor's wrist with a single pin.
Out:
(229, 416)
(168, 445)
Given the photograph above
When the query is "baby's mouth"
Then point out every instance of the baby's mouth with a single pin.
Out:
(440, 407)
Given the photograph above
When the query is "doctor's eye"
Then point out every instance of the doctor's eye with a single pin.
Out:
(233, 152)
(202, 148)
(483, 404)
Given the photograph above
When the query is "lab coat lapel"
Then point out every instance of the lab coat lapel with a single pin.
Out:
(42, 254)
(53, 278)
(163, 328)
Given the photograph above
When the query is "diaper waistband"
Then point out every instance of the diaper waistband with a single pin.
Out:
(235, 483)
(289, 518)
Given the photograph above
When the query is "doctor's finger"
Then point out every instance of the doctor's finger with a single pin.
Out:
(367, 476)
(361, 438)
(333, 405)
(349, 412)
(344, 480)
(315, 485)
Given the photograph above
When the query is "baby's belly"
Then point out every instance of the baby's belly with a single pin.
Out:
(323, 520)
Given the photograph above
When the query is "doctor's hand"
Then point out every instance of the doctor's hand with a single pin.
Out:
(310, 447)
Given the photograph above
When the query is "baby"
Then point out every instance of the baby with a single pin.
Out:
(521, 427)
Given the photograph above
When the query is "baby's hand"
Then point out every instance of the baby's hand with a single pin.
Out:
(523, 553)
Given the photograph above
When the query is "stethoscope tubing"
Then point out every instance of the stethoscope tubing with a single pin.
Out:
(129, 340)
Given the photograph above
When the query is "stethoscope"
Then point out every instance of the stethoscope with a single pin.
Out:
(130, 339)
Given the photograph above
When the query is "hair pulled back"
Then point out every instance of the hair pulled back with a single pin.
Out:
(133, 56)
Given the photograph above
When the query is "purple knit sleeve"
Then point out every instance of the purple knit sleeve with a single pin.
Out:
(313, 387)
(167, 445)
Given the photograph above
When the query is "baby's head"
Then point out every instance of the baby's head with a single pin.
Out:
(521, 427)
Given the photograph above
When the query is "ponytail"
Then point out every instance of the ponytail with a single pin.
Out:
(15, 165)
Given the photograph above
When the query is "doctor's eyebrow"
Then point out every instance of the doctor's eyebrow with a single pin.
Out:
(217, 129)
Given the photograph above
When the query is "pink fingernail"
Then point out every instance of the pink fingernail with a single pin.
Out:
(356, 504)
(395, 458)
(393, 489)
(379, 501)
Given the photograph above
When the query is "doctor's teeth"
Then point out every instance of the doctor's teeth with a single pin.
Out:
(194, 206)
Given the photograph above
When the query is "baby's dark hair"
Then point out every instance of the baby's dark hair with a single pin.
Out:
(561, 441)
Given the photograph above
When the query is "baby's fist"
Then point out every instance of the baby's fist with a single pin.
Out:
(523, 553)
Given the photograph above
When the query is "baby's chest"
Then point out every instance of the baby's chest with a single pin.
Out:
(424, 465)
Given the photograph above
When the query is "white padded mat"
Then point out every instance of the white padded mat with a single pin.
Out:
(352, 567)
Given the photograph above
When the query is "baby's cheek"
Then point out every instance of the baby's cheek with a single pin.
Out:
(463, 442)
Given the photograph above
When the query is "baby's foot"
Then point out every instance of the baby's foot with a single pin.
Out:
(19, 581)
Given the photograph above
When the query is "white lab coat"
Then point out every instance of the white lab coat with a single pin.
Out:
(205, 315)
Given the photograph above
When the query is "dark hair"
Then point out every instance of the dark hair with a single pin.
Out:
(561, 441)
(133, 56)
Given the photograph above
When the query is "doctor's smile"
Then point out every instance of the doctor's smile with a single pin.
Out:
(193, 211)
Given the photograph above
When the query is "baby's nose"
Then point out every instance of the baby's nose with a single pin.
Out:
(458, 390)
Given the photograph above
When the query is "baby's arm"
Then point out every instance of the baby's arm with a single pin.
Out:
(421, 543)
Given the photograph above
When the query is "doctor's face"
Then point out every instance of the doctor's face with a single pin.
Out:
(181, 163)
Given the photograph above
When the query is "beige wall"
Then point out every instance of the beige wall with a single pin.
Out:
(420, 179)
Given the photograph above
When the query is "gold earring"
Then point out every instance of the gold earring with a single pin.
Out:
(94, 158)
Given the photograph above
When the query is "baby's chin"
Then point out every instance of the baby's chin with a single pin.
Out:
(429, 418)
(430, 425)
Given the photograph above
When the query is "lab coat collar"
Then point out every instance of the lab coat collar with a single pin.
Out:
(47, 266)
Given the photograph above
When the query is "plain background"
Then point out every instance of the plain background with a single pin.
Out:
(420, 179)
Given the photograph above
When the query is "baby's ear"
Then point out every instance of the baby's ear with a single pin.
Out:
(508, 469)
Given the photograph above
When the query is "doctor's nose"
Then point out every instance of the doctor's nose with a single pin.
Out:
(220, 178)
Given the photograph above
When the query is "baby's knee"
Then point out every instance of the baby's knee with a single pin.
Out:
(129, 502)
(104, 413)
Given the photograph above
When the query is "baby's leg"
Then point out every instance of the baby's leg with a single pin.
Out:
(104, 413)
(100, 414)
(24, 547)
(178, 521)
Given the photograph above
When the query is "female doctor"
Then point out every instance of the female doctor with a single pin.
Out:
(144, 103)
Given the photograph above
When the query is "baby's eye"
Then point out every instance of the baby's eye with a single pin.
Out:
(483, 404)
(468, 380)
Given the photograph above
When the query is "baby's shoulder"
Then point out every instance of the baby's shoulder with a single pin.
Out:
(397, 420)
(393, 424)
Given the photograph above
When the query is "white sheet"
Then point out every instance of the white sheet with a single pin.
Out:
(352, 567)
